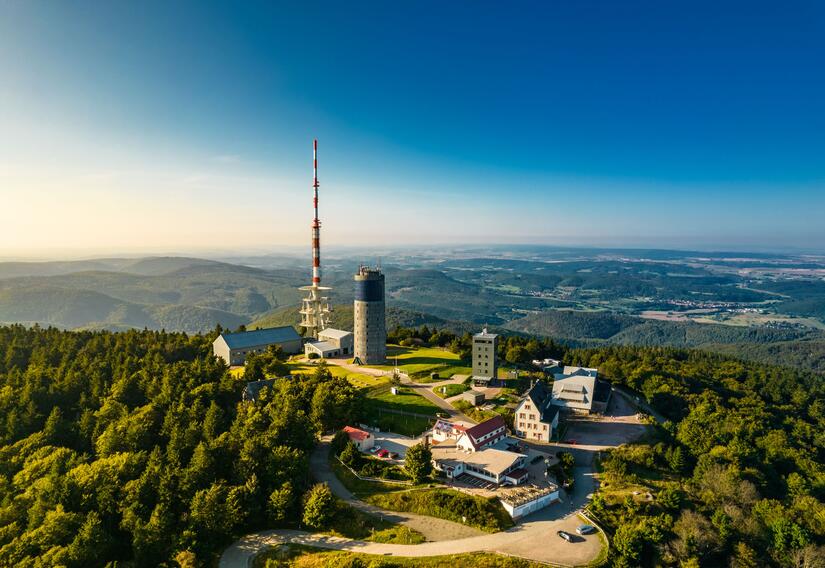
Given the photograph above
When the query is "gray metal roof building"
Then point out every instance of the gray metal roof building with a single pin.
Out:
(234, 347)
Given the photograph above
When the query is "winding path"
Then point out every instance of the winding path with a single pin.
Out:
(532, 539)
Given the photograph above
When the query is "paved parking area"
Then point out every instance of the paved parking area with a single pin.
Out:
(619, 425)
(395, 443)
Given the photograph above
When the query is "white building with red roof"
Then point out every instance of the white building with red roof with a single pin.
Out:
(473, 454)
(362, 439)
(483, 435)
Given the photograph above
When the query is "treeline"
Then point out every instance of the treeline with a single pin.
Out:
(740, 461)
(514, 349)
(134, 448)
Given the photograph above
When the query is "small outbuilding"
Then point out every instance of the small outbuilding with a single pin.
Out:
(331, 343)
(362, 439)
(474, 397)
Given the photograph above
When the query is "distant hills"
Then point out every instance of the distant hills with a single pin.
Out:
(195, 295)
(185, 294)
(790, 347)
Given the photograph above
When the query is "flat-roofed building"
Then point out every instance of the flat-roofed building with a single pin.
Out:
(331, 343)
(485, 359)
(235, 347)
(490, 464)
(522, 501)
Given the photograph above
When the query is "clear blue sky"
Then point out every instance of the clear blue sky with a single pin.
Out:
(187, 125)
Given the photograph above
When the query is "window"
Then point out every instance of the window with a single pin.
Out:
(544, 427)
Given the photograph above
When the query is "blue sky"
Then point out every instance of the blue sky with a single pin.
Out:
(185, 126)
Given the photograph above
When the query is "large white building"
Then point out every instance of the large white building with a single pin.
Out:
(580, 390)
(536, 416)
(331, 343)
(472, 453)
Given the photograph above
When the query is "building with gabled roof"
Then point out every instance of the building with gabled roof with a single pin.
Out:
(536, 416)
(235, 347)
(483, 435)
(362, 439)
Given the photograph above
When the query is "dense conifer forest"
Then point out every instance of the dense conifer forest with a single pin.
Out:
(135, 447)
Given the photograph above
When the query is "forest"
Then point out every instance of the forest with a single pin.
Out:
(134, 448)
(736, 468)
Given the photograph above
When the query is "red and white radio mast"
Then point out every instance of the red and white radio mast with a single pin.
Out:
(315, 312)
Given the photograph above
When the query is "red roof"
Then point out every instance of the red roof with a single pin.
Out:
(480, 430)
(356, 433)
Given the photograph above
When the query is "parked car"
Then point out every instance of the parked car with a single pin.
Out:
(442, 414)
(537, 459)
(375, 448)
(566, 536)
(571, 442)
(383, 453)
(586, 529)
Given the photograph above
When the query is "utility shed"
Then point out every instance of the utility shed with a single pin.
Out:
(234, 347)
(474, 397)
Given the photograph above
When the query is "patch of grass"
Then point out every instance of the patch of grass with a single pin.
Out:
(412, 426)
(483, 513)
(422, 361)
(299, 556)
(451, 390)
(405, 400)
(351, 523)
(361, 380)
(478, 414)
(358, 487)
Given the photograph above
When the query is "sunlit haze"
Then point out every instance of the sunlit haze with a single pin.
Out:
(188, 126)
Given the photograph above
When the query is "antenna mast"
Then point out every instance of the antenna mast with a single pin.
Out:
(315, 312)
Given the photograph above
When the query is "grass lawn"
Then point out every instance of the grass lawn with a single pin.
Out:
(351, 523)
(358, 487)
(483, 513)
(405, 400)
(412, 426)
(299, 556)
(357, 379)
(422, 361)
(480, 415)
(451, 390)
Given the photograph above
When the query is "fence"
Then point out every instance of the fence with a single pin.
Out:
(362, 478)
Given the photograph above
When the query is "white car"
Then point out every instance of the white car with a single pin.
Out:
(374, 449)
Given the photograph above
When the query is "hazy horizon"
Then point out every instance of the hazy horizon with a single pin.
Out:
(145, 129)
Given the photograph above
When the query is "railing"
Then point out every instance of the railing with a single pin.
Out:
(587, 515)
(362, 478)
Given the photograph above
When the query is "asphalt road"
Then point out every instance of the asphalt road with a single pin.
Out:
(534, 538)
